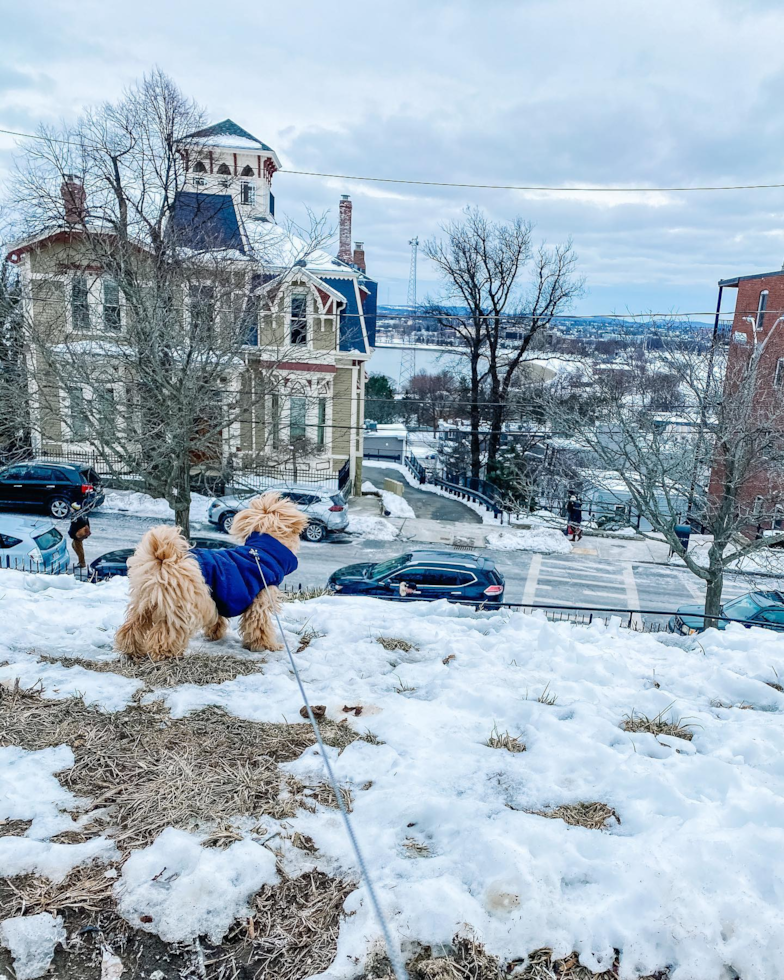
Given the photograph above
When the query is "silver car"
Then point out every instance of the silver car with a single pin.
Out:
(327, 510)
(31, 544)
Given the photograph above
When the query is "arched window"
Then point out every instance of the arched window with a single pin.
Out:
(247, 171)
(224, 169)
(199, 168)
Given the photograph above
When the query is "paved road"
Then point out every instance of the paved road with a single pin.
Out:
(574, 580)
(431, 506)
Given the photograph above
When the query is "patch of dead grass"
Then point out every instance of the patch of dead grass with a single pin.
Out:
(540, 965)
(194, 668)
(503, 740)
(593, 816)
(307, 637)
(311, 592)
(139, 771)
(390, 643)
(657, 725)
(292, 933)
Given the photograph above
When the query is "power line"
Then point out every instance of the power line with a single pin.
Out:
(536, 187)
(470, 185)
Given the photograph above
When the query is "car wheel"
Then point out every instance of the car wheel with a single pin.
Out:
(314, 532)
(59, 508)
(226, 520)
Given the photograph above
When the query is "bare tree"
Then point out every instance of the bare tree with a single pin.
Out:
(14, 403)
(728, 428)
(156, 386)
(482, 265)
(432, 395)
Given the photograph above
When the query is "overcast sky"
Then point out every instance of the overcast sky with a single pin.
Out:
(553, 92)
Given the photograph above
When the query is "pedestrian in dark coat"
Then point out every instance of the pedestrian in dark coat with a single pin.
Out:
(574, 517)
(77, 532)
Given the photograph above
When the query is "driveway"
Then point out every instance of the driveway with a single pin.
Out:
(431, 506)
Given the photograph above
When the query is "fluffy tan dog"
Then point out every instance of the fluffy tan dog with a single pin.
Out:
(170, 600)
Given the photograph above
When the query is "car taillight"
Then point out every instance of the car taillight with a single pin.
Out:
(335, 508)
(493, 590)
(87, 488)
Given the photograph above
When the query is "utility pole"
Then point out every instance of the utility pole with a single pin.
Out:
(408, 358)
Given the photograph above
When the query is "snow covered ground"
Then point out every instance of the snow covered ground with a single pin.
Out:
(394, 505)
(687, 874)
(545, 540)
(143, 505)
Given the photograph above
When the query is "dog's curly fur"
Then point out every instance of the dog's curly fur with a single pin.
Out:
(169, 600)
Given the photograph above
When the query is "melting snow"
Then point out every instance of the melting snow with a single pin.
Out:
(31, 940)
(179, 890)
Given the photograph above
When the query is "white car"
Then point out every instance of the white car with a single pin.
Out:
(327, 510)
(32, 544)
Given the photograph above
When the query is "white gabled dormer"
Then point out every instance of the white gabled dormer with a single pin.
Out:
(225, 158)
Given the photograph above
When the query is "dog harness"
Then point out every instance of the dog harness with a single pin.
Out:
(233, 577)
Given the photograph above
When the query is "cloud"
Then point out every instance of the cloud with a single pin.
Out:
(542, 92)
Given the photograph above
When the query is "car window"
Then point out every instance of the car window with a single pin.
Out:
(773, 616)
(49, 539)
(42, 473)
(14, 473)
(464, 578)
(389, 566)
(744, 607)
(8, 541)
(89, 475)
(115, 557)
(430, 578)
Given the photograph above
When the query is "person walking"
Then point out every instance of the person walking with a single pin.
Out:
(574, 517)
(78, 532)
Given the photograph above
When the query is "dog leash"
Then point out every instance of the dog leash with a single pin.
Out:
(394, 957)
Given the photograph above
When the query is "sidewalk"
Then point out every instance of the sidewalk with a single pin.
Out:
(474, 536)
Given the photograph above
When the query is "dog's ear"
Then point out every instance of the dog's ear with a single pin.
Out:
(269, 513)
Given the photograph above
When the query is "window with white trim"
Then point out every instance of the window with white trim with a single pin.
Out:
(111, 305)
(299, 318)
(247, 192)
(298, 416)
(80, 303)
(778, 379)
(321, 423)
(761, 307)
(77, 414)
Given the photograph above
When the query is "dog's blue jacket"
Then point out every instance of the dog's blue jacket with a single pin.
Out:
(233, 577)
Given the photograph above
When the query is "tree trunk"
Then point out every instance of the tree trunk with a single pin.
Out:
(713, 596)
(476, 453)
(182, 499)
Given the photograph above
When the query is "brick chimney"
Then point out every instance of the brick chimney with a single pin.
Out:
(344, 249)
(359, 255)
(74, 199)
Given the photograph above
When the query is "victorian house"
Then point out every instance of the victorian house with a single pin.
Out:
(312, 320)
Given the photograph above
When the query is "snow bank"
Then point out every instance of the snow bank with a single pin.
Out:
(688, 880)
(143, 505)
(447, 826)
(547, 541)
(394, 504)
(31, 940)
(189, 890)
(372, 527)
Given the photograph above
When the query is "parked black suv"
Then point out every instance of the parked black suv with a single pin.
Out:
(53, 487)
(115, 563)
(424, 575)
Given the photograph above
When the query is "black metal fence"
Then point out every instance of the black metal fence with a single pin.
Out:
(214, 479)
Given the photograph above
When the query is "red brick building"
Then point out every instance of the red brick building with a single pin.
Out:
(758, 325)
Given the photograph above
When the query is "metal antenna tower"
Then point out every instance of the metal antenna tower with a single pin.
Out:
(408, 357)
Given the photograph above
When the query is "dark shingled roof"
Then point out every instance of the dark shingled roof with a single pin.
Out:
(205, 221)
(227, 128)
